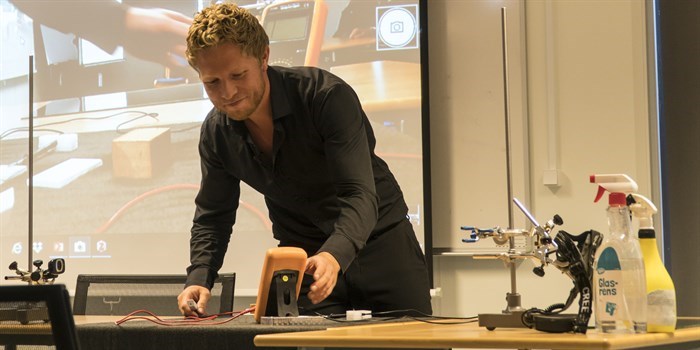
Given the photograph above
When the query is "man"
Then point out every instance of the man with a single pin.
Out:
(299, 137)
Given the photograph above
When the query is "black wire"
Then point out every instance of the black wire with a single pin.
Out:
(423, 314)
(465, 320)
(423, 318)
(9, 132)
(196, 126)
(140, 114)
(134, 119)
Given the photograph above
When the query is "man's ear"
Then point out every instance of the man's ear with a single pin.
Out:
(265, 58)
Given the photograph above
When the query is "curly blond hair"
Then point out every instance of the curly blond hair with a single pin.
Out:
(226, 23)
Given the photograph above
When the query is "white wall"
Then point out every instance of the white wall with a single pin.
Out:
(584, 112)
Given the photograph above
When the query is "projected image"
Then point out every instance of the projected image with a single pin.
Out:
(117, 118)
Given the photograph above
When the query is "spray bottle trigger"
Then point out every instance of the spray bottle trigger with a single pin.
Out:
(599, 195)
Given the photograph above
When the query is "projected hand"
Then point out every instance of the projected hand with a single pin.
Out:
(197, 293)
(157, 35)
(324, 268)
(358, 33)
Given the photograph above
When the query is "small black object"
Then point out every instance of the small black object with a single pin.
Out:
(556, 323)
(558, 220)
(538, 270)
(57, 266)
(282, 297)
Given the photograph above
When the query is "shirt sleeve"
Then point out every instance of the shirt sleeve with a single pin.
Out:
(342, 125)
(215, 214)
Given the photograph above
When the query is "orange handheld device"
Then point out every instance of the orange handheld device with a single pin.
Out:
(280, 282)
(295, 29)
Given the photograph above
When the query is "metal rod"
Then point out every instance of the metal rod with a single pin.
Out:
(30, 179)
(526, 212)
(506, 97)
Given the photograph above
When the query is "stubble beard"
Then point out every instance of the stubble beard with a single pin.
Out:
(255, 98)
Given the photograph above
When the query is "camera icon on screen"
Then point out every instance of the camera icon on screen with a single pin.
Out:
(396, 27)
(79, 246)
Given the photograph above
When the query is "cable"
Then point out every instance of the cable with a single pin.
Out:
(265, 221)
(9, 132)
(37, 127)
(423, 318)
(141, 114)
(186, 321)
(426, 317)
(151, 115)
(465, 321)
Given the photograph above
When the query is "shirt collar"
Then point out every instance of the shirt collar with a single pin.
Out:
(278, 94)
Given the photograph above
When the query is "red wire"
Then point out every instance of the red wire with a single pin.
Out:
(265, 221)
(186, 321)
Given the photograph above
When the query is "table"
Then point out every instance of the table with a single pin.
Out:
(384, 85)
(416, 334)
(333, 44)
(101, 332)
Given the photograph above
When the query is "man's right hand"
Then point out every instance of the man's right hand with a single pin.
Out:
(199, 294)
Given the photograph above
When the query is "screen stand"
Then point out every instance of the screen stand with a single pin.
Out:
(282, 298)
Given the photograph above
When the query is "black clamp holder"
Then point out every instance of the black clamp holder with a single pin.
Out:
(39, 276)
(26, 312)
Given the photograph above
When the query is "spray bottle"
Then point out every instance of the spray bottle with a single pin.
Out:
(661, 293)
(619, 278)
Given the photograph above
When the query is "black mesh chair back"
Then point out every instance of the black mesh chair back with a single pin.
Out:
(120, 295)
(36, 315)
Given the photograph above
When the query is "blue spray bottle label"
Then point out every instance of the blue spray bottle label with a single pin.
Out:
(608, 286)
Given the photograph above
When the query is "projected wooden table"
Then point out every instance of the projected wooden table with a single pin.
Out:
(384, 85)
(429, 335)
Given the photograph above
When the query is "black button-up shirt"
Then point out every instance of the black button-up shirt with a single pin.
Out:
(324, 187)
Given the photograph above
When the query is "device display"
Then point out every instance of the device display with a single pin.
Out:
(295, 29)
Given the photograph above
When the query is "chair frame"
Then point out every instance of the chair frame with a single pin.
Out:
(227, 280)
(58, 304)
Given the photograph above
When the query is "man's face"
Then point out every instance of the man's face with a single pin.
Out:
(234, 82)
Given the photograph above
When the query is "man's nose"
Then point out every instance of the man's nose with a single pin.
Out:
(229, 90)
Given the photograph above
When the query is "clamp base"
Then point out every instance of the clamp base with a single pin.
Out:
(510, 319)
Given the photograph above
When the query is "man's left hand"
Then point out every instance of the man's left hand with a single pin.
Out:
(324, 267)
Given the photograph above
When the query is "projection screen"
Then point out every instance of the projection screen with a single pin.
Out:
(116, 126)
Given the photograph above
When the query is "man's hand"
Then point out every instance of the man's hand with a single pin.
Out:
(199, 294)
(324, 268)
